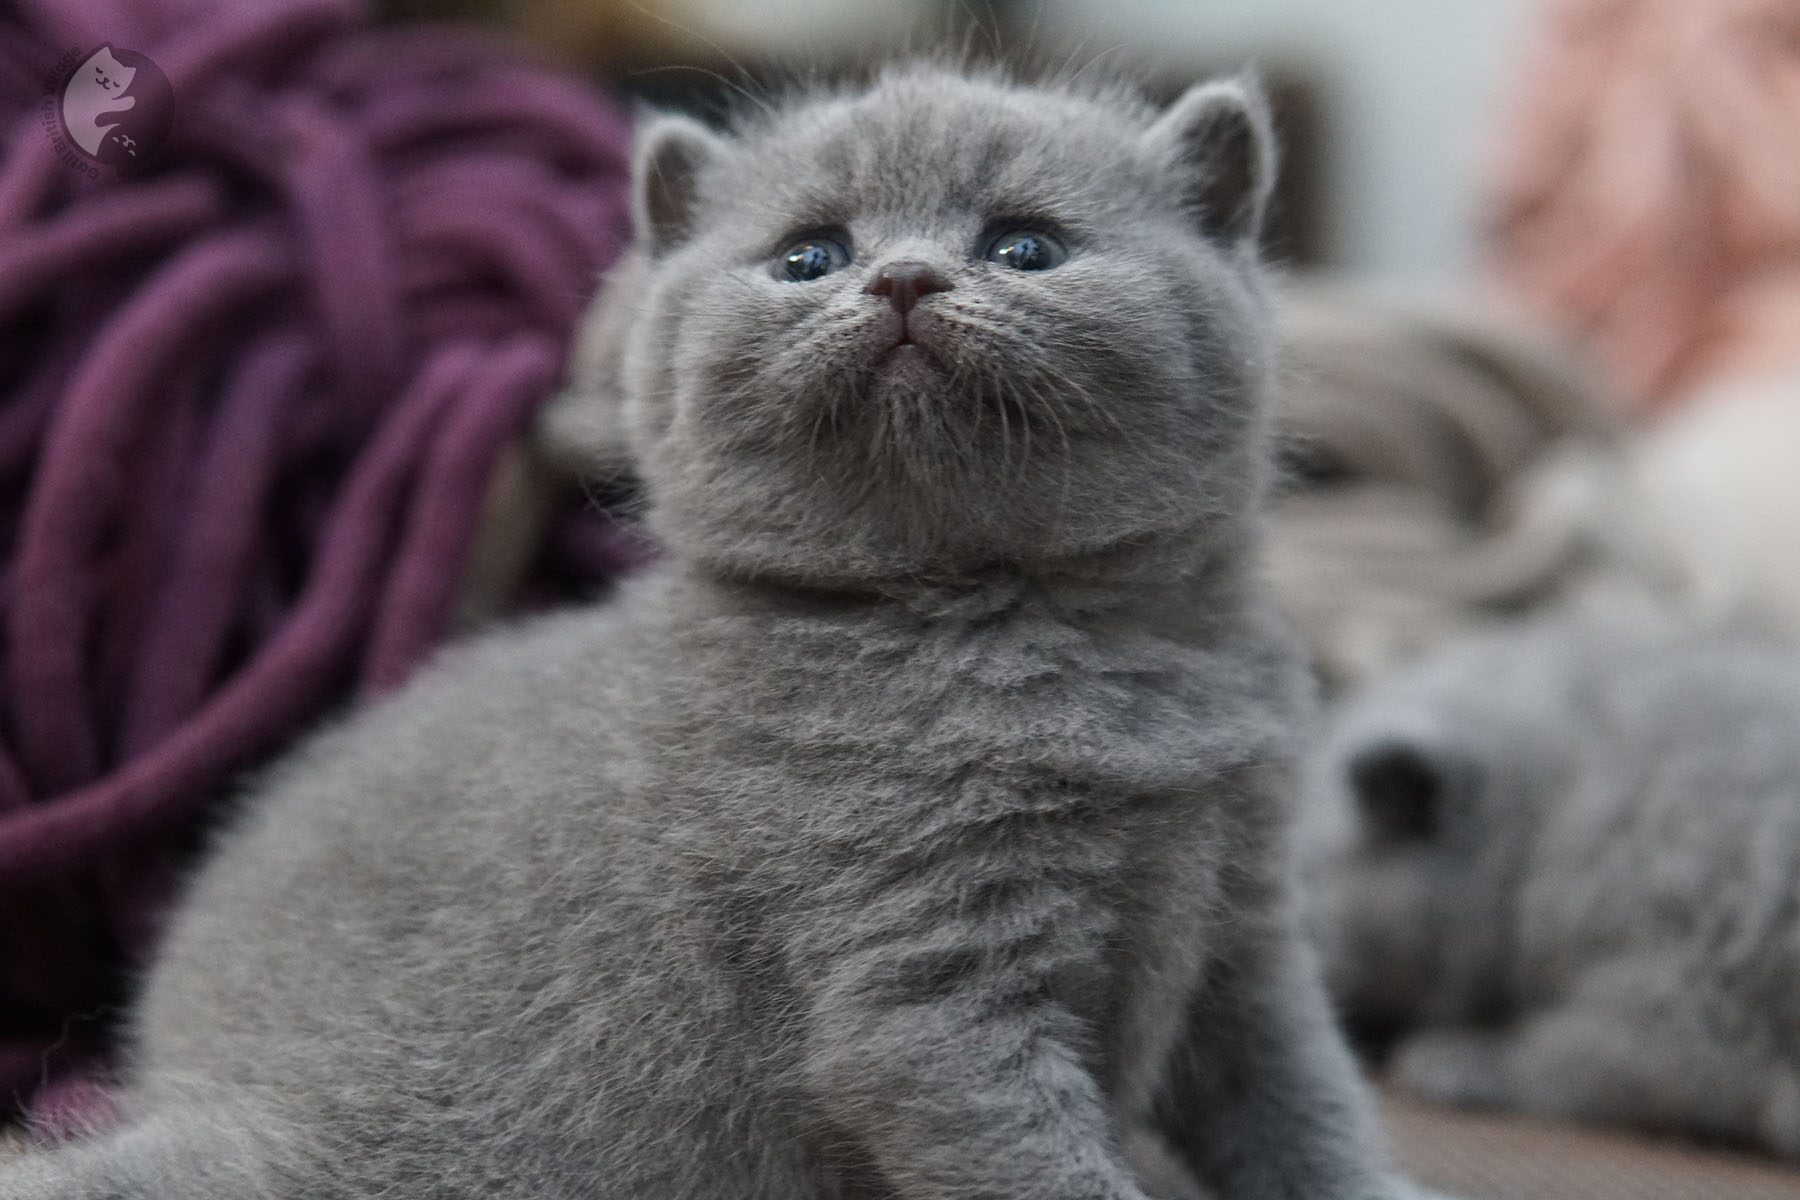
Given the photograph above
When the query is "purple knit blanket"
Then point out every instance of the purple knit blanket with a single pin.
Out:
(259, 351)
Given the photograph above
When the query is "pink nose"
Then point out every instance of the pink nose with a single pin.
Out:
(904, 282)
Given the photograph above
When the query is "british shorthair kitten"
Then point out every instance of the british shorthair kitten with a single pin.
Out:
(918, 827)
(1560, 862)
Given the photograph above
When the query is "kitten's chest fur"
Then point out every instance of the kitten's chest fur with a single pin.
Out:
(858, 783)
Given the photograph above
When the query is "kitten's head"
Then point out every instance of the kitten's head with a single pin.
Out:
(947, 322)
(1421, 802)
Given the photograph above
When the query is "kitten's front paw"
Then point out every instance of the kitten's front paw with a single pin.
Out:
(1454, 1067)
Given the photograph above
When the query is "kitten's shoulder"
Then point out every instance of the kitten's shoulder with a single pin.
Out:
(513, 710)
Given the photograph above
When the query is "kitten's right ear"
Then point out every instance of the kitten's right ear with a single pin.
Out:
(671, 152)
(1406, 791)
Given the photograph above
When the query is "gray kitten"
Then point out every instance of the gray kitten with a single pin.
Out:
(918, 827)
(1566, 862)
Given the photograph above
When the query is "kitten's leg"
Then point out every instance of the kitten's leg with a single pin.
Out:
(942, 1047)
(1468, 1068)
(1651, 1061)
(973, 1096)
(1263, 1099)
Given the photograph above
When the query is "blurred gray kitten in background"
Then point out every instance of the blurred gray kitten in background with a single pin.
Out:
(1563, 863)
(918, 828)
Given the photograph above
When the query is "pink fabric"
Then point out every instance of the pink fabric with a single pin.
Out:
(250, 398)
(1650, 190)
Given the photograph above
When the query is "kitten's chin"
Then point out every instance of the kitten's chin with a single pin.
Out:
(909, 362)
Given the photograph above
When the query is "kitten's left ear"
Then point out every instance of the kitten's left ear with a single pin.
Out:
(1221, 138)
(1411, 791)
(671, 152)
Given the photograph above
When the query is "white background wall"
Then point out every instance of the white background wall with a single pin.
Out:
(1413, 91)
(1412, 88)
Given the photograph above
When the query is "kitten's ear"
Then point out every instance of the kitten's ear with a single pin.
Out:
(1221, 138)
(1406, 791)
(671, 151)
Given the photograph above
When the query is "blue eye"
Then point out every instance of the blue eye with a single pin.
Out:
(1027, 250)
(809, 258)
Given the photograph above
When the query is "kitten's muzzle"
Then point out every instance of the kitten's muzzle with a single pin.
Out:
(899, 338)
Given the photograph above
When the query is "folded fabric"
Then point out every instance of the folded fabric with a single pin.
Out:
(1648, 189)
(1407, 427)
(1453, 465)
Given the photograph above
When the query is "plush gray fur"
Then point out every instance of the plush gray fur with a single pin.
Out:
(918, 829)
(1563, 860)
